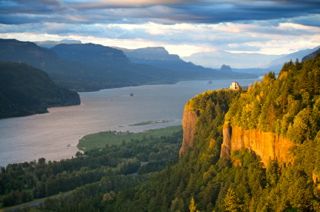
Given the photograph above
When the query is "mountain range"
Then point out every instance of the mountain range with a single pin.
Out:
(89, 67)
(215, 59)
(276, 64)
(248, 62)
(160, 57)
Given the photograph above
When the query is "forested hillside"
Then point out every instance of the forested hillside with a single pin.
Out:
(25, 90)
(286, 105)
(92, 179)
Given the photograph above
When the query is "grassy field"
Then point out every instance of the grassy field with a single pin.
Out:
(101, 139)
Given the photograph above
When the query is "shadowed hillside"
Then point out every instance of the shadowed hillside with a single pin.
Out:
(25, 90)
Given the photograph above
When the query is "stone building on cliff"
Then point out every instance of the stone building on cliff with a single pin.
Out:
(235, 86)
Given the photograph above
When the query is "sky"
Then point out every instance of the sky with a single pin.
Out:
(183, 27)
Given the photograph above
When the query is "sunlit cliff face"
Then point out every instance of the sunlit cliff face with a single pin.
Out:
(189, 121)
(267, 145)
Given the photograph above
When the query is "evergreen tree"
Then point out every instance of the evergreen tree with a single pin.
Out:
(231, 201)
(192, 205)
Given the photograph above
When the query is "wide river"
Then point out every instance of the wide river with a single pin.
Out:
(55, 135)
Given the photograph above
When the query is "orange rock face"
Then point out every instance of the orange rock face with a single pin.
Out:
(189, 121)
(267, 145)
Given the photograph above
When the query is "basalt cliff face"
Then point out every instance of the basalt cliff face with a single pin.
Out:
(267, 145)
(203, 117)
(189, 121)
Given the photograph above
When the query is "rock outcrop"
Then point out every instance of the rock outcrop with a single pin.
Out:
(267, 145)
(189, 121)
(316, 180)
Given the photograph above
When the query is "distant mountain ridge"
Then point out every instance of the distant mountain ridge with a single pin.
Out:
(248, 62)
(26, 52)
(98, 53)
(216, 59)
(49, 43)
(89, 67)
(299, 55)
(150, 54)
(160, 57)
(312, 55)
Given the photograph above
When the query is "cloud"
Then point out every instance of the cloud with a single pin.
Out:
(184, 27)
(183, 38)
(160, 11)
(119, 4)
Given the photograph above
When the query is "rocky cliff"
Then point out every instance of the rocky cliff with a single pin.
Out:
(203, 118)
(189, 121)
(268, 146)
(275, 119)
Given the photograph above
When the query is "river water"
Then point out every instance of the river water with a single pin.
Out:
(54, 135)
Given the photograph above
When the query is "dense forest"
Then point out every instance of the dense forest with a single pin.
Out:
(97, 173)
(287, 105)
(25, 90)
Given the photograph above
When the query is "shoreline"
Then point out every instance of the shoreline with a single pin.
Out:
(129, 86)
(115, 133)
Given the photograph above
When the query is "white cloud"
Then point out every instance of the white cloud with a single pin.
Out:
(183, 39)
(122, 3)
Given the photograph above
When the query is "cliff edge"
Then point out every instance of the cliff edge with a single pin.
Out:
(267, 145)
(189, 120)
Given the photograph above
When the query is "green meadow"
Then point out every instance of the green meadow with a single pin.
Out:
(101, 139)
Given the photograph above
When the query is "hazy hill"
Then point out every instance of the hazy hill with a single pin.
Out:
(150, 54)
(247, 62)
(160, 57)
(236, 60)
(312, 55)
(62, 72)
(50, 44)
(25, 90)
(277, 64)
(107, 67)
(98, 54)
(28, 52)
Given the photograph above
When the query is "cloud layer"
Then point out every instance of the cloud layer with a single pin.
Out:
(182, 26)
(161, 11)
